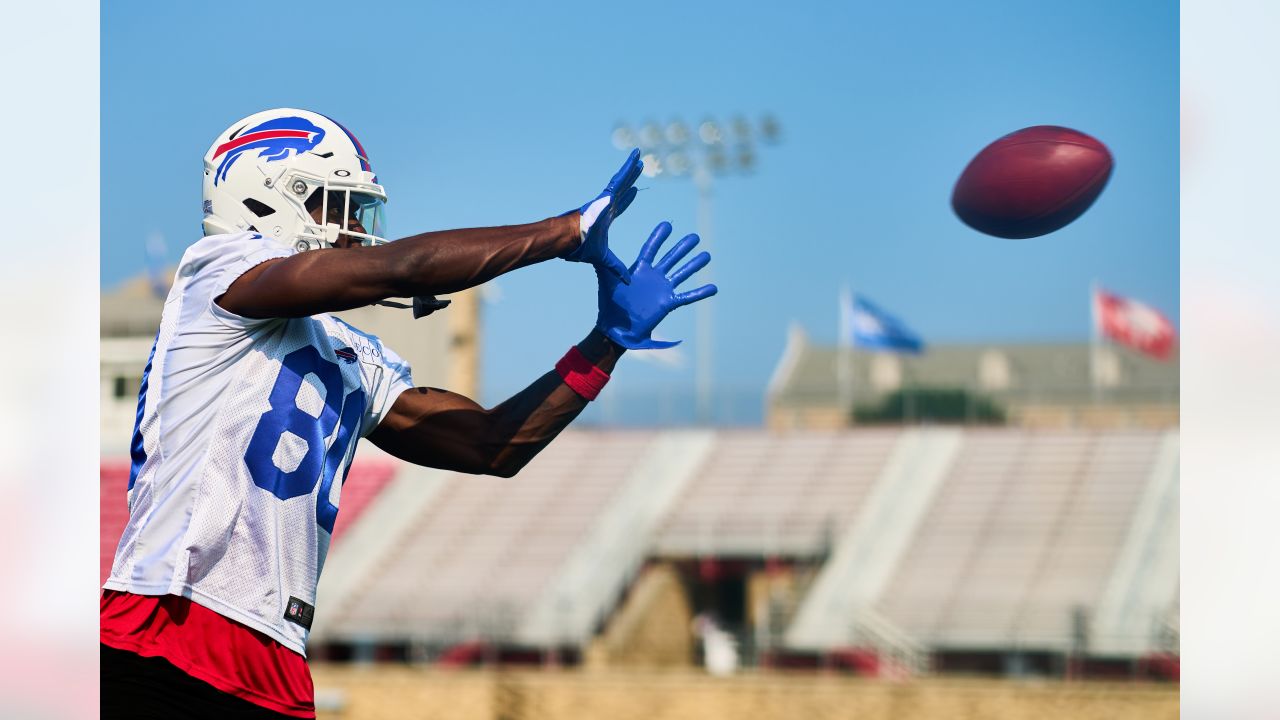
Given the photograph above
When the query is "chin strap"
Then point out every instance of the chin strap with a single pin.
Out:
(422, 306)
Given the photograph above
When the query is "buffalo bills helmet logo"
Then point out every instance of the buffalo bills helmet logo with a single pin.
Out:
(274, 140)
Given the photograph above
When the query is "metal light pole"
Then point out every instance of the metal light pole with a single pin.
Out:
(702, 310)
(675, 152)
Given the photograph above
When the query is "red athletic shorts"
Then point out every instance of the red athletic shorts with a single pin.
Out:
(234, 659)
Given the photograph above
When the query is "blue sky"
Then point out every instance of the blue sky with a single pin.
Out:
(485, 114)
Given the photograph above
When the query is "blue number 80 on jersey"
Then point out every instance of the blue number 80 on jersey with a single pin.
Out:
(318, 465)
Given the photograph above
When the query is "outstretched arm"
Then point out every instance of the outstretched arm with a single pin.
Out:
(432, 263)
(438, 428)
(441, 429)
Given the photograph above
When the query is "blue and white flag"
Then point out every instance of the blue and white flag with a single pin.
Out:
(876, 329)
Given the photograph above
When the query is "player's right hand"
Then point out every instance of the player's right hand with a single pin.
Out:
(596, 216)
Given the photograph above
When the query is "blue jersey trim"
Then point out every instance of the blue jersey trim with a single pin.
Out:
(137, 452)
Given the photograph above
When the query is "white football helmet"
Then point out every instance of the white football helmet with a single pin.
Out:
(266, 172)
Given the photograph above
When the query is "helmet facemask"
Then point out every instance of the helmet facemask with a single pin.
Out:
(355, 210)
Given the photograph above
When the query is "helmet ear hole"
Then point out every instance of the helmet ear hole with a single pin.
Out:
(258, 207)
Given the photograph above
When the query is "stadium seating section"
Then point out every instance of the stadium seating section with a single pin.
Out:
(479, 554)
(1005, 538)
(765, 494)
(1025, 527)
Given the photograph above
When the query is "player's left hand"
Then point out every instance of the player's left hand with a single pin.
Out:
(596, 216)
(629, 313)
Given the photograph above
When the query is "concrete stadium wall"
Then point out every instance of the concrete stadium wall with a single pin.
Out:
(378, 692)
(651, 630)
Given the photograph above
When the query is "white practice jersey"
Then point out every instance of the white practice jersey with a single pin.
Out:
(244, 434)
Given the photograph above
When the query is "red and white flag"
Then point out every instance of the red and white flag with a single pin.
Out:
(1135, 324)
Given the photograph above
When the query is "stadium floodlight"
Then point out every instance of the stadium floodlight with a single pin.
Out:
(623, 138)
(677, 163)
(652, 165)
(709, 133)
(650, 136)
(677, 134)
(671, 152)
(717, 161)
(770, 130)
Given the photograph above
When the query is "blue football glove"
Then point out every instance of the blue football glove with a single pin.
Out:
(629, 313)
(600, 212)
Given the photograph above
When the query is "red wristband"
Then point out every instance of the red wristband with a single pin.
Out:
(578, 373)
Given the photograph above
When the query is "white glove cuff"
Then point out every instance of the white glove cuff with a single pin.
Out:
(590, 214)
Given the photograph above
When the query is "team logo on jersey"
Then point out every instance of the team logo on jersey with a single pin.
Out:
(347, 354)
(275, 139)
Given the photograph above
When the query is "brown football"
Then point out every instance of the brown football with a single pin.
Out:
(1031, 182)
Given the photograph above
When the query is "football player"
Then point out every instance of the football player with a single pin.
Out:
(254, 398)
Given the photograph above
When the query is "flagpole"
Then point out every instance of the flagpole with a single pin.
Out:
(1095, 341)
(844, 372)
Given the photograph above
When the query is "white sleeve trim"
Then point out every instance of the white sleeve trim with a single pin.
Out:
(400, 380)
(233, 273)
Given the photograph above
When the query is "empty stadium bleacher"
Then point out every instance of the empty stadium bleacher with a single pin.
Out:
(1023, 535)
(933, 538)
(113, 513)
(764, 494)
(475, 561)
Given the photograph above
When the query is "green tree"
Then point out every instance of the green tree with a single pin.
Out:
(941, 405)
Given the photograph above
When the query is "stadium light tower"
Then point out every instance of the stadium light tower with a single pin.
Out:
(711, 149)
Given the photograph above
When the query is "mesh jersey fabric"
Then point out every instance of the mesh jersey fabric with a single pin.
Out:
(244, 434)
